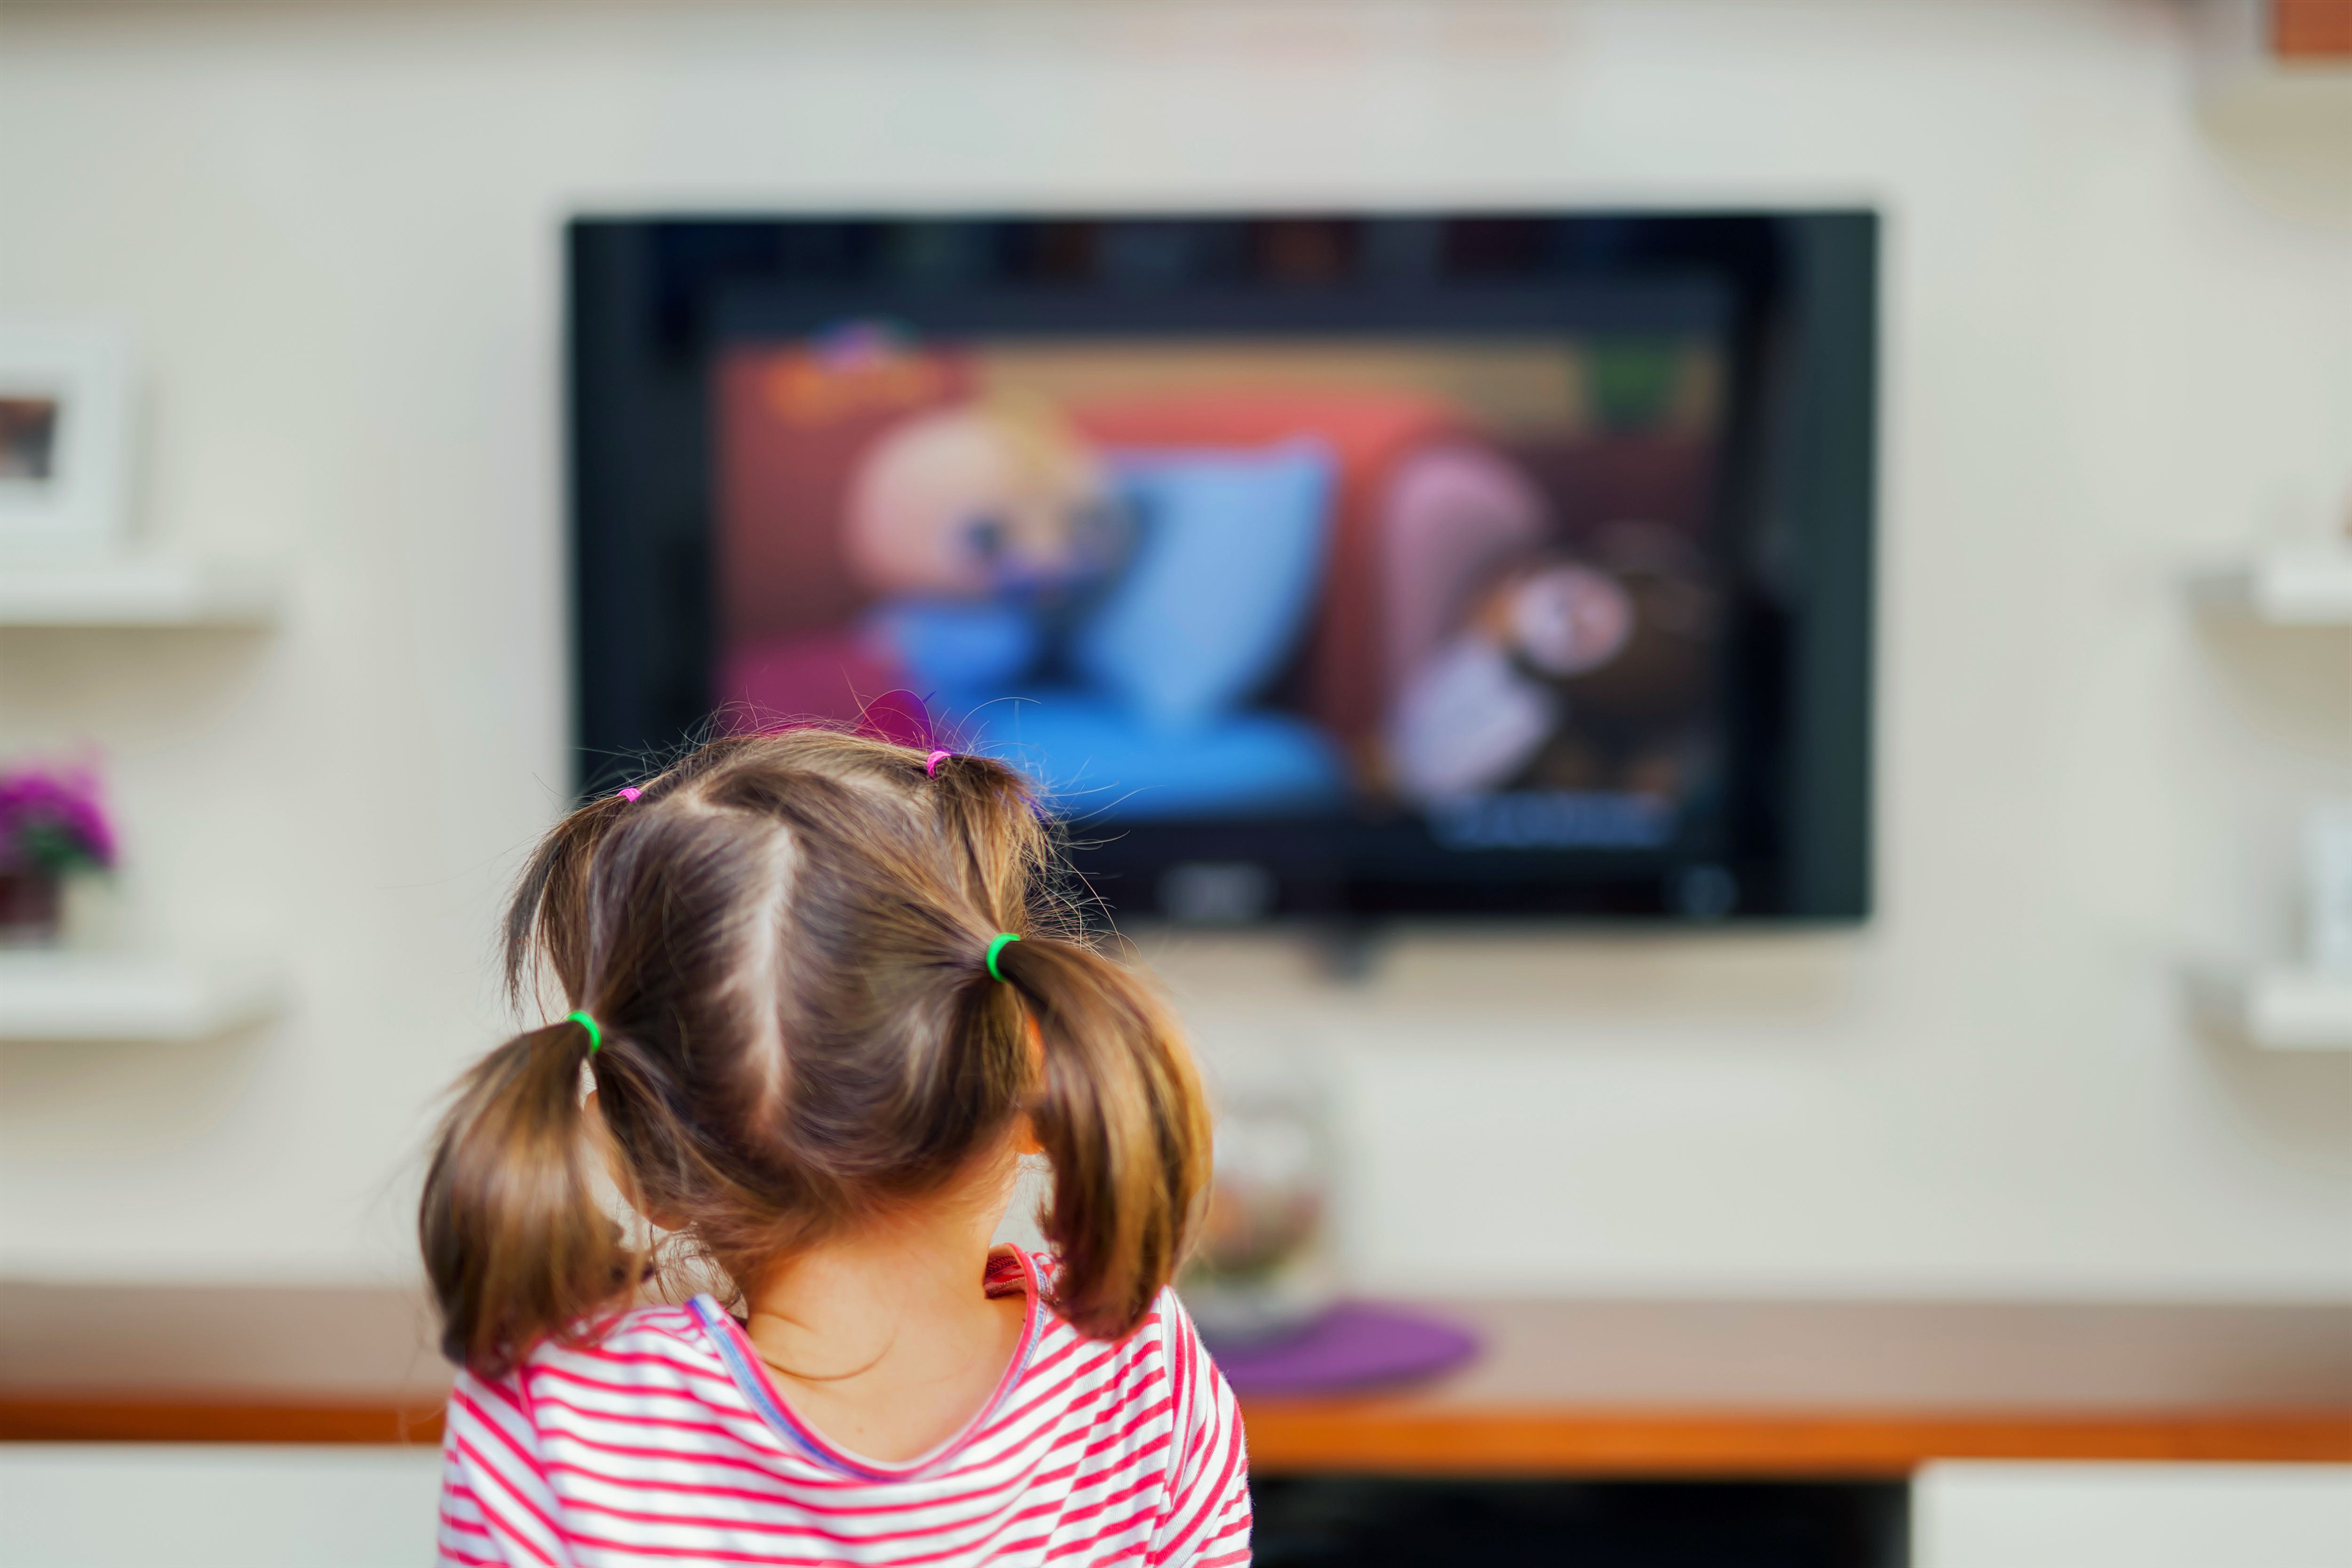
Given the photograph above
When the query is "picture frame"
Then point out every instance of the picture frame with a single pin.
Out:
(65, 412)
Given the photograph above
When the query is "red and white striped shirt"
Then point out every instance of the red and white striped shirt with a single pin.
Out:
(667, 1442)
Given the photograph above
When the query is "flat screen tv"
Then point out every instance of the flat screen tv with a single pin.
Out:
(1486, 564)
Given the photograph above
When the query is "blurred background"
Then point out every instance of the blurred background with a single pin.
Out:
(310, 642)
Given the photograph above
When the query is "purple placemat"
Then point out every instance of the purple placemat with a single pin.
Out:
(1356, 1344)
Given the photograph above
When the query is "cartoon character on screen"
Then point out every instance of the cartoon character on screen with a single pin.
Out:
(977, 527)
(1585, 672)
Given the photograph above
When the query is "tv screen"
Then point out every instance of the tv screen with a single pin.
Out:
(1331, 565)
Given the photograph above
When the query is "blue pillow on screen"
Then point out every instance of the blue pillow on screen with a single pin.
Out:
(1094, 762)
(953, 646)
(1228, 551)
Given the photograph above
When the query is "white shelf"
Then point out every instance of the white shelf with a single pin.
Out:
(2271, 108)
(46, 995)
(2299, 1009)
(137, 591)
(2282, 1009)
(2266, 108)
(2282, 126)
(2286, 585)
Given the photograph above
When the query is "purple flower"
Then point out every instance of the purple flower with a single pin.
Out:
(53, 819)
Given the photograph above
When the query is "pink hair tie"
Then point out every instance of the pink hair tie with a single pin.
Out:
(931, 768)
(630, 794)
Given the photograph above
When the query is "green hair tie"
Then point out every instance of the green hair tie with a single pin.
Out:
(595, 1035)
(1003, 939)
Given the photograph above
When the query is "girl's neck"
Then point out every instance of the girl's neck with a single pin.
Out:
(838, 1306)
(884, 1339)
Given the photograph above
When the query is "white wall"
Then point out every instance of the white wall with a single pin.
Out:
(335, 229)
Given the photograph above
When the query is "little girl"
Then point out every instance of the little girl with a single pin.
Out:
(825, 1006)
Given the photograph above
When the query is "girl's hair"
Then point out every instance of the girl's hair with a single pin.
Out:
(783, 940)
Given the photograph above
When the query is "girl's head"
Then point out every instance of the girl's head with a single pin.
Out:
(784, 941)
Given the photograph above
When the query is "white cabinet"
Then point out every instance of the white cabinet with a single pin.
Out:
(2048, 1515)
(234, 1505)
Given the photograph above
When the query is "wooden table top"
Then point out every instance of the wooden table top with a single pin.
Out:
(1845, 1388)
(1562, 1387)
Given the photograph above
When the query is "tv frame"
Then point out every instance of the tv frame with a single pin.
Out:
(648, 295)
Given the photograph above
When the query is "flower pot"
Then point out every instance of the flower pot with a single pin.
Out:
(31, 907)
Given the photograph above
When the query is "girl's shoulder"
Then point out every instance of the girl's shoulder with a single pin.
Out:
(645, 1349)
(1165, 1342)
